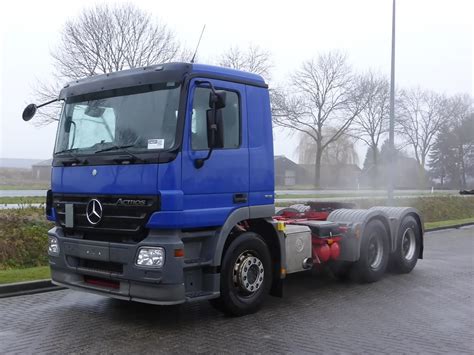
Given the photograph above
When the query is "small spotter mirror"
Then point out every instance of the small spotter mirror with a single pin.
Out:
(95, 111)
(29, 112)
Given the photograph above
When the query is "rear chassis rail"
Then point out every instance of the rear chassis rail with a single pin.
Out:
(344, 242)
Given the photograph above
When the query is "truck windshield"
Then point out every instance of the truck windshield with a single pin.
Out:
(140, 118)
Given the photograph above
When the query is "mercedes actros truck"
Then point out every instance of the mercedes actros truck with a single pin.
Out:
(163, 192)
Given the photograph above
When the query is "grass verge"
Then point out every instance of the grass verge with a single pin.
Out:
(433, 209)
(28, 274)
(451, 222)
(39, 186)
(26, 200)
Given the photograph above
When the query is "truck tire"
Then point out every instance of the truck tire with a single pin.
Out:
(404, 259)
(246, 276)
(374, 253)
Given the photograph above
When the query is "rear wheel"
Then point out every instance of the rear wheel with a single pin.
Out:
(246, 275)
(374, 253)
(406, 254)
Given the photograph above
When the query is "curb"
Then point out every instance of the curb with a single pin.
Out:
(455, 226)
(27, 288)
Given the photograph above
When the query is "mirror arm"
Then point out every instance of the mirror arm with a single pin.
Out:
(74, 134)
(47, 103)
(199, 163)
(213, 89)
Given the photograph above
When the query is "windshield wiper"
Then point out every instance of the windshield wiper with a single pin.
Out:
(123, 148)
(70, 150)
(115, 147)
(75, 159)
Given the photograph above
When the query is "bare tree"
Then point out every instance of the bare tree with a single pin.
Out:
(253, 59)
(323, 92)
(461, 126)
(47, 91)
(371, 124)
(104, 39)
(421, 114)
(340, 152)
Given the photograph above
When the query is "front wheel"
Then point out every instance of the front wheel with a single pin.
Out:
(246, 275)
(374, 253)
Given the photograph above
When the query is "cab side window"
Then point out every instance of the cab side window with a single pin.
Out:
(230, 118)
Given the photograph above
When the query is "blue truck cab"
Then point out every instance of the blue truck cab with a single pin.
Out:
(162, 192)
(125, 178)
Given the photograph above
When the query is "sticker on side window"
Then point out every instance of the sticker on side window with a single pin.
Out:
(156, 143)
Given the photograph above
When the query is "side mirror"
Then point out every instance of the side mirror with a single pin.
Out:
(29, 112)
(217, 99)
(215, 132)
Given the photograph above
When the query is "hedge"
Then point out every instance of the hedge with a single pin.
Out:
(433, 209)
(23, 232)
(23, 238)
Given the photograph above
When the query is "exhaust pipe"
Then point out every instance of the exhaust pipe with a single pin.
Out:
(307, 263)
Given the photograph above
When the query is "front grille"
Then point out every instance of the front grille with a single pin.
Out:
(102, 266)
(119, 222)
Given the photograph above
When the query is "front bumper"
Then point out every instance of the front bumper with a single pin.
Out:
(112, 267)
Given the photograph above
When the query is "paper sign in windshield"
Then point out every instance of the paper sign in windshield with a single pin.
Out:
(156, 143)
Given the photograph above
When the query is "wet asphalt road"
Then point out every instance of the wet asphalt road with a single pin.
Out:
(430, 310)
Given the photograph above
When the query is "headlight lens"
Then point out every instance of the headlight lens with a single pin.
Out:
(53, 246)
(151, 257)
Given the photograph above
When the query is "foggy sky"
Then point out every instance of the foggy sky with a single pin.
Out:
(434, 46)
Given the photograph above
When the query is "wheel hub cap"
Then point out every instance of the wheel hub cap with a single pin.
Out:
(375, 252)
(248, 272)
(408, 244)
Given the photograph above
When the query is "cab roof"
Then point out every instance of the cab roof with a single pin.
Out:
(157, 73)
(237, 75)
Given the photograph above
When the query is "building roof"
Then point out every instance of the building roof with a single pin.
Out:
(45, 163)
(354, 167)
(284, 159)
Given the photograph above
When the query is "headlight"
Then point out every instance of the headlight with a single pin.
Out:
(53, 246)
(151, 257)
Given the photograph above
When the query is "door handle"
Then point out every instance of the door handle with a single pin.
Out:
(240, 198)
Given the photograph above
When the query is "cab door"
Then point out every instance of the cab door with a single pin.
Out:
(222, 183)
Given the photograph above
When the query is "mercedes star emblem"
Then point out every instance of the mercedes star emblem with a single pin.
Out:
(94, 211)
